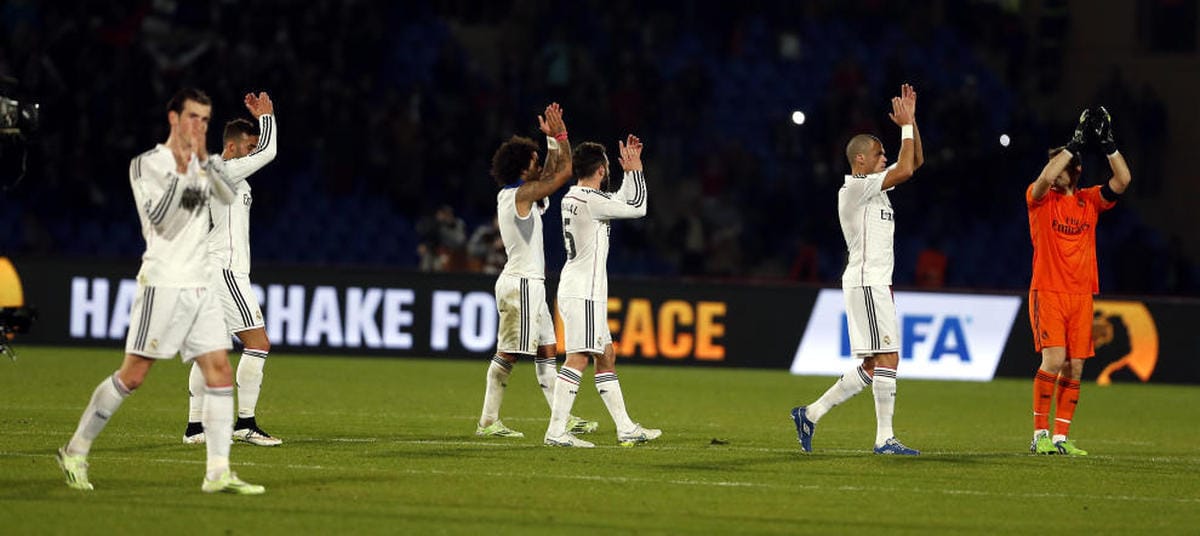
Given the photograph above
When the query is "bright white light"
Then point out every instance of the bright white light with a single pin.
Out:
(798, 117)
(1005, 140)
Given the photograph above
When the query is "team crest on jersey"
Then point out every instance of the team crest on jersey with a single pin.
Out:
(887, 339)
(258, 316)
(193, 198)
(153, 344)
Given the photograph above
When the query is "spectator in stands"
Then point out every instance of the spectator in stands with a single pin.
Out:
(486, 249)
(443, 241)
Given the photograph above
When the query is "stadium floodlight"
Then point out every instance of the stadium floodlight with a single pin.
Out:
(798, 117)
(1005, 140)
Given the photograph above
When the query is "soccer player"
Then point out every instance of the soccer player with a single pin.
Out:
(587, 213)
(868, 225)
(1062, 226)
(175, 311)
(248, 148)
(526, 327)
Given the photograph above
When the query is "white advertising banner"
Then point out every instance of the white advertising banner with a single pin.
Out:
(942, 336)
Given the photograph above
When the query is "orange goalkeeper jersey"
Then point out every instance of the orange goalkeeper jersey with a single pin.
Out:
(1063, 230)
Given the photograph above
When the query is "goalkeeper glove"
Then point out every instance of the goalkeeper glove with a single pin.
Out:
(1078, 140)
(1103, 130)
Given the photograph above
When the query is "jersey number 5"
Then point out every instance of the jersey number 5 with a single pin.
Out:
(570, 243)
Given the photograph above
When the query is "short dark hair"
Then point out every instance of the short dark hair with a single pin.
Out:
(239, 127)
(1072, 166)
(187, 94)
(587, 158)
(512, 159)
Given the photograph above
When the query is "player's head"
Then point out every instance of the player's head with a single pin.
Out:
(516, 160)
(240, 138)
(865, 154)
(589, 164)
(1069, 177)
(189, 109)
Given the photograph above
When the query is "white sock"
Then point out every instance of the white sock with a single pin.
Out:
(249, 380)
(885, 403)
(218, 428)
(610, 392)
(196, 386)
(1058, 437)
(497, 379)
(546, 372)
(106, 398)
(566, 386)
(842, 390)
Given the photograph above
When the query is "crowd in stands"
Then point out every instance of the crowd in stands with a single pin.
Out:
(389, 113)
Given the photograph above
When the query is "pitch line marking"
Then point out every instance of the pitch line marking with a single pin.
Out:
(628, 480)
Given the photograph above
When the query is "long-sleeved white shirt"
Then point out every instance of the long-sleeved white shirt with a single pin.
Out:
(173, 210)
(586, 214)
(229, 238)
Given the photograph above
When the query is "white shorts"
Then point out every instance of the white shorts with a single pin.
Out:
(168, 321)
(237, 300)
(525, 321)
(871, 319)
(585, 325)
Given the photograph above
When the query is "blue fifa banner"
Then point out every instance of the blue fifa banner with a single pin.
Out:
(942, 336)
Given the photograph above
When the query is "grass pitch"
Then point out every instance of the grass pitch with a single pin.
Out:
(387, 446)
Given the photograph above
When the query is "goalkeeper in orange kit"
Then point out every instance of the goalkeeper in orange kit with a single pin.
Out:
(1062, 225)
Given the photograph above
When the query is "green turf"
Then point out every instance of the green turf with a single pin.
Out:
(387, 446)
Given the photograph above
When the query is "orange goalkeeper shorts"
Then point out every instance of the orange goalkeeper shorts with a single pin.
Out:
(1062, 319)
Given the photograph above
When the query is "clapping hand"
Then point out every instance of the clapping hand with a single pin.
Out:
(1079, 138)
(904, 107)
(1102, 130)
(551, 122)
(259, 104)
(908, 97)
(631, 153)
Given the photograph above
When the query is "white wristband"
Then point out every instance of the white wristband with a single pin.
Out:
(906, 132)
(551, 143)
(1114, 154)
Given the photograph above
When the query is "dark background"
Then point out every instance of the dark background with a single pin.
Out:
(390, 110)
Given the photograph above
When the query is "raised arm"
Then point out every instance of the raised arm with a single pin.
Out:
(1061, 160)
(558, 161)
(1052, 169)
(903, 170)
(909, 98)
(630, 199)
(237, 169)
(1116, 161)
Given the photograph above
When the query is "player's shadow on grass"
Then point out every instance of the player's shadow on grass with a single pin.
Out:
(143, 449)
(733, 462)
(956, 458)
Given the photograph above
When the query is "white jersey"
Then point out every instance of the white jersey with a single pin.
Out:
(868, 225)
(586, 213)
(522, 237)
(173, 210)
(229, 238)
